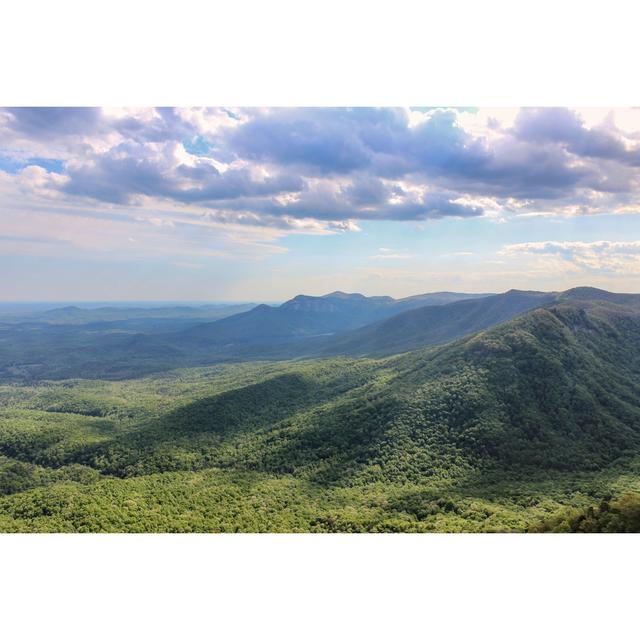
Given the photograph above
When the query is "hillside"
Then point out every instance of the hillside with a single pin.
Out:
(592, 294)
(501, 430)
(436, 324)
(555, 388)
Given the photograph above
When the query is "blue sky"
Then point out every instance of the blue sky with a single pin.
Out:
(262, 204)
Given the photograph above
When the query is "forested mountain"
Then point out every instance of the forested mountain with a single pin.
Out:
(307, 316)
(305, 326)
(556, 388)
(523, 426)
(436, 324)
(591, 294)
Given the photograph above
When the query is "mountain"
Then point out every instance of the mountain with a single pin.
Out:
(555, 388)
(305, 316)
(496, 431)
(435, 324)
(591, 294)
(306, 326)
(438, 297)
(119, 315)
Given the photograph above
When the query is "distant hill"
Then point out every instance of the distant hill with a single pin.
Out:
(440, 324)
(436, 324)
(117, 342)
(122, 314)
(591, 294)
(307, 316)
(438, 297)
(305, 326)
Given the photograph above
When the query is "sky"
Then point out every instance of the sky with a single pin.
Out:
(261, 204)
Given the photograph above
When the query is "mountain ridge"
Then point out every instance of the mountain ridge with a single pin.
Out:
(501, 430)
(295, 329)
(306, 316)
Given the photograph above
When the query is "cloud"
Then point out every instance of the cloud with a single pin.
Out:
(597, 256)
(133, 169)
(566, 128)
(392, 256)
(302, 170)
(50, 123)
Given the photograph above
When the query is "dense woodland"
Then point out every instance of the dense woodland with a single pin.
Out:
(530, 425)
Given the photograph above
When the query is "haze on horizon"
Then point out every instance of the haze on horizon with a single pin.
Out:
(219, 204)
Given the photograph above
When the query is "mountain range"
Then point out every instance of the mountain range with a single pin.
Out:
(309, 316)
(512, 412)
(111, 344)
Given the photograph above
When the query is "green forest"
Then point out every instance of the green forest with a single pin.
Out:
(532, 425)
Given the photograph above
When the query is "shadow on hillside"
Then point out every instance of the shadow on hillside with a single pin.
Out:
(332, 446)
(165, 443)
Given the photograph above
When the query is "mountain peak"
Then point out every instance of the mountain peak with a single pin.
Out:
(342, 294)
(591, 292)
(528, 292)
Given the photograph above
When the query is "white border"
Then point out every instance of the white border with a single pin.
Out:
(334, 52)
(322, 586)
(490, 53)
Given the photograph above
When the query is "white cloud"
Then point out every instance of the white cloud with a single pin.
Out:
(132, 173)
(392, 256)
(621, 257)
